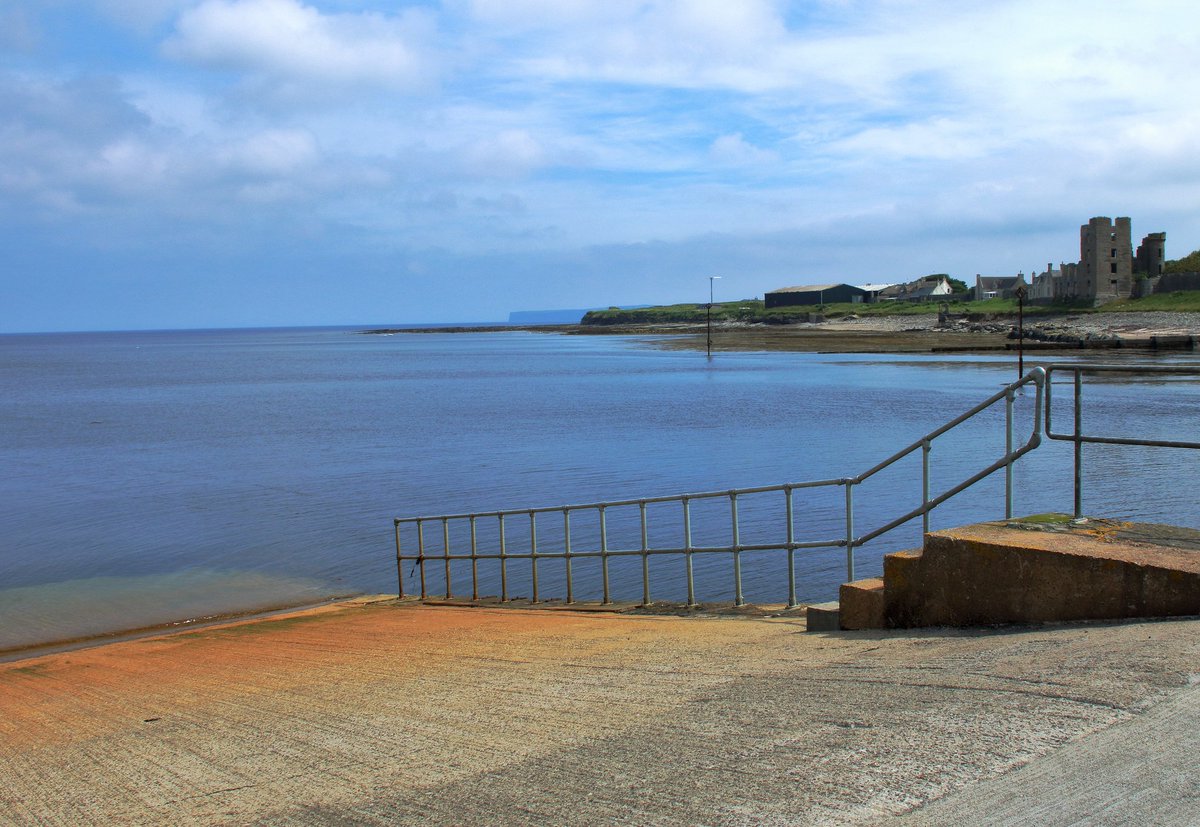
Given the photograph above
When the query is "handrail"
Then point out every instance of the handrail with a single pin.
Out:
(790, 544)
(1079, 438)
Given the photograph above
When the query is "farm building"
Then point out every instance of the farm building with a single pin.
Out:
(813, 294)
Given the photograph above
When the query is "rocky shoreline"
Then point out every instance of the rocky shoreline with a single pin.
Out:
(1155, 330)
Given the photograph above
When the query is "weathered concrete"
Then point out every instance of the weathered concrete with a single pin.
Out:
(823, 617)
(1040, 571)
(861, 604)
(406, 714)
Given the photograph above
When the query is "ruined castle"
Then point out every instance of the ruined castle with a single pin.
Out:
(1108, 267)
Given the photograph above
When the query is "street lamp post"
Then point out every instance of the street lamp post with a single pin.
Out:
(1021, 293)
(711, 279)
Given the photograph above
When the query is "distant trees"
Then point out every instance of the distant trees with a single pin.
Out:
(1188, 264)
(956, 285)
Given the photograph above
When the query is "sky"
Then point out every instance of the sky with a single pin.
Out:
(234, 163)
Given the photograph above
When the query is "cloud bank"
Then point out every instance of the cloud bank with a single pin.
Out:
(173, 162)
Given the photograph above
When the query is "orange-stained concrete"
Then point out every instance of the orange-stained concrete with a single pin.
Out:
(387, 713)
(1032, 571)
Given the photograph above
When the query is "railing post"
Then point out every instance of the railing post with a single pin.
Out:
(446, 552)
(645, 556)
(926, 448)
(1008, 449)
(399, 565)
(849, 531)
(604, 555)
(567, 554)
(687, 551)
(1078, 443)
(421, 554)
(503, 563)
(791, 552)
(737, 554)
(474, 561)
(533, 559)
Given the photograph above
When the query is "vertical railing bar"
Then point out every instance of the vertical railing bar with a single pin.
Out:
(926, 448)
(446, 552)
(421, 554)
(645, 556)
(533, 558)
(567, 554)
(737, 554)
(399, 565)
(604, 554)
(1078, 443)
(474, 561)
(687, 551)
(850, 531)
(791, 552)
(503, 563)
(1008, 449)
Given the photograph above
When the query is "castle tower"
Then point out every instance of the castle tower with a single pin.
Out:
(1151, 255)
(1105, 260)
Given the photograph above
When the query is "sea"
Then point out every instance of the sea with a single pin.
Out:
(159, 478)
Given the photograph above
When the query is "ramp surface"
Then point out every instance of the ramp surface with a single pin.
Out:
(406, 714)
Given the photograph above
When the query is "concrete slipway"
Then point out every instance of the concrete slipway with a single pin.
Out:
(396, 713)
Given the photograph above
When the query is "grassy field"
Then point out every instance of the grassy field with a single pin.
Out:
(752, 311)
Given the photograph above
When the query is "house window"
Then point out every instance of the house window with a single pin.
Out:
(1114, 252)
(1112, 268)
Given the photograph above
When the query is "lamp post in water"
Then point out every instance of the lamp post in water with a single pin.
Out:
(1020, 293)
(711, 279)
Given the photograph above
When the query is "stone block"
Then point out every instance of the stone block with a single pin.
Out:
(862, 604)
(822, 617)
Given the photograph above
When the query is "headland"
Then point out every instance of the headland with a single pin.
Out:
(917, 333)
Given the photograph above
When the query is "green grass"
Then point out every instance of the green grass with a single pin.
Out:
(1046, 519)
(754, 311)
(1181, 301)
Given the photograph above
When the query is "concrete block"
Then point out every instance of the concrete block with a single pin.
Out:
(862, 604)
(823, 617)
(1008, 573)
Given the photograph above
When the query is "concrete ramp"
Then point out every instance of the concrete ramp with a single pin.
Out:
(1043, 568)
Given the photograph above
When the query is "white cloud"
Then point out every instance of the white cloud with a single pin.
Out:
(510, 153)
(285, 40)
(734, 150)
(272, 153)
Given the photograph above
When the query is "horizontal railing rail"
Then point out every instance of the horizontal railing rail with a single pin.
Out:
(1079, 438)
(566, 551)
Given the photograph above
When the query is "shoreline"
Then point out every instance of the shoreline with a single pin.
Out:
(30, 651)
(1135, 330)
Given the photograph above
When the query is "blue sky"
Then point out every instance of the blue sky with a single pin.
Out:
(213, 163)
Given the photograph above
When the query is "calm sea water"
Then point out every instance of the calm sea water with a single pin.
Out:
(154, 477)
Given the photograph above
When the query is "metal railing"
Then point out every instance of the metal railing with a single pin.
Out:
(1079, 438)
(566, 551)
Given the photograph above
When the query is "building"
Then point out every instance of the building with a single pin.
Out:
(814, 294)
(997, 287)
(1151, 255)
(1046, 286)
(924, 289)
(874, 291)
(1105, 269)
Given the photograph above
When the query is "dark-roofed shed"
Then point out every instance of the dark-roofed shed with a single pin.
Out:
(811, 294)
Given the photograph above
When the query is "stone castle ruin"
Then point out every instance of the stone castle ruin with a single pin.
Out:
(1108, 268)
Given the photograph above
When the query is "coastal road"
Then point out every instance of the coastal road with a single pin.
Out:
(387, 713)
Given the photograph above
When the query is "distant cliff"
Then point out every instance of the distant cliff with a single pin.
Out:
(546, 316)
